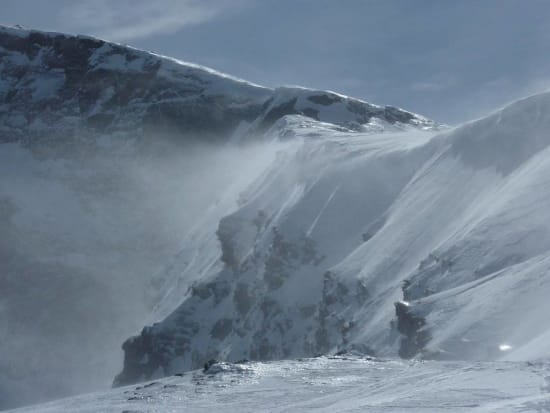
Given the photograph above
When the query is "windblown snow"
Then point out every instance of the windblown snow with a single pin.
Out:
(451, 226)
(310, 224)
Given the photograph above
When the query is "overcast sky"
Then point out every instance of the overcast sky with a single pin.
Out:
(449, 60)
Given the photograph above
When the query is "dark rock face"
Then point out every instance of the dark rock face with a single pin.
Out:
(138, 364)
(277, 112)
(332, 108)
(244, 307)
(327, 99)
(240, 308)
(413, 328)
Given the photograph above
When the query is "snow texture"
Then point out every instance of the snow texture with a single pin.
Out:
(329, 384)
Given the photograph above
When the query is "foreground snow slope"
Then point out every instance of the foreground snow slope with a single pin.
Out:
(455, 227)
(330, 384)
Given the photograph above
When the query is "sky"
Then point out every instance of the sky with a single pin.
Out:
(449, 60)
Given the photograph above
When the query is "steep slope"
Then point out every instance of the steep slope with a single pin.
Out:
(452, 227)
(265, 286)
(113, 160)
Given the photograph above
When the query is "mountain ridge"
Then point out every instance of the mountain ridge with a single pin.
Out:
(80, 84)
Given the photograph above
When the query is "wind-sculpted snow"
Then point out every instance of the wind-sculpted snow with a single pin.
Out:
(345, 225)
(274, 296)
(329, 384)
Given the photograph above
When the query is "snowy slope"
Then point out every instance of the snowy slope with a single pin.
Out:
(480, 226)
(329, 384)
(452, 226)
(264, 301)
(113, 161)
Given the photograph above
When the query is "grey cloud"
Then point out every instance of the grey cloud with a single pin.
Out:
(127, 20)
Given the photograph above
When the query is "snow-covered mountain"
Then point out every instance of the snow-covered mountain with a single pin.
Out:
(243, 222)
(420, 243)
(53, 83)
(113, 161)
